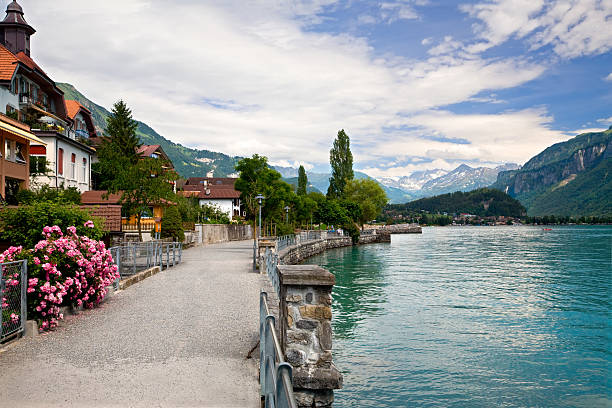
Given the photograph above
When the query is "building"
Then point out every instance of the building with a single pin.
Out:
(27, 94)
(219, 192)
(15, 139)
(151, 221)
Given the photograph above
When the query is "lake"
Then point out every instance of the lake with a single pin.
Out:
(475, 317)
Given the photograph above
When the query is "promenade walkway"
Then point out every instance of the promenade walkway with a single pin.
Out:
(176, 339)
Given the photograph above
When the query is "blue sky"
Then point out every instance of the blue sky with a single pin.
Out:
(417, 84)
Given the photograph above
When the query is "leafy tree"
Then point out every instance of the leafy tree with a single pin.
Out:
(172, 225)
(212, 214)
(256, 177)
(369, 196)
(341, 161)
(302, 181)
(23, 225)
(71, 195)
(141, 185)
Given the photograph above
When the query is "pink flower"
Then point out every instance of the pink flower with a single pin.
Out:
(89, 224)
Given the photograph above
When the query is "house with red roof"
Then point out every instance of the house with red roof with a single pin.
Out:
(215, 191)
(28, 95)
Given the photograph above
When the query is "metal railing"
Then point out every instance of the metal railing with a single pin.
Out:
(13, 302)
(284, 242)
(135, 257)
(274, 373)
(271, 261)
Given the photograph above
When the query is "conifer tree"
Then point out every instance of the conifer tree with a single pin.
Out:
(302, 181)
(121, 129)
(341, 161)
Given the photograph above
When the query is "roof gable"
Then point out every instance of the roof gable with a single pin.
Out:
(8, 64)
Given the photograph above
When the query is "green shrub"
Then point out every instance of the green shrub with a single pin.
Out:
(22, 226)
(172, 226)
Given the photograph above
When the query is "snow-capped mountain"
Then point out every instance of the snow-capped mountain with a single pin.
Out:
(437, 181)
(415, 181)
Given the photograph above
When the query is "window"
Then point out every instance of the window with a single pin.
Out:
(60, 162)
(73, 166)
(38, 164)
(9, 150)
(84, 170)
(20, 153)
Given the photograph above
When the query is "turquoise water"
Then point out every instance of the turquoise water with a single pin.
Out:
(475, 317)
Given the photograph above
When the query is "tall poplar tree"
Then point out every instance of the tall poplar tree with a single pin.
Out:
(302, 181)
(341, 161)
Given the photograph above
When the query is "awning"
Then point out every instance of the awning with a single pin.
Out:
(20, 132)
(38, 150)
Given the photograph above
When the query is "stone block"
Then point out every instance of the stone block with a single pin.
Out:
(317, 378)
(295, 357)
(307, 324)
(294, 298)
(318, 312)
(298, 337)
(324, 333)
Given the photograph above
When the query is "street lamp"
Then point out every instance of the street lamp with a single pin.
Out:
(287, 214)
(260, 199)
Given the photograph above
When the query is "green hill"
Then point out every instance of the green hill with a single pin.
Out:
(484, 202)
(569, 178)
(187, 162)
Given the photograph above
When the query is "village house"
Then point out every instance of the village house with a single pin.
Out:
(215, 191)
(15, 139)
(59, 154)
(156, 152)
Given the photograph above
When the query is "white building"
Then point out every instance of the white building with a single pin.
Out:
(219, 192)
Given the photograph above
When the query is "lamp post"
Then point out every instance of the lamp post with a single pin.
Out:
(287, 214)
(260, 199)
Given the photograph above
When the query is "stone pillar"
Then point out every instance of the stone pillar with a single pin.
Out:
(306, 332)
(262, 246)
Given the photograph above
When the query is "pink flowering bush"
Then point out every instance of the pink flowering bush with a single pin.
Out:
(64, 269)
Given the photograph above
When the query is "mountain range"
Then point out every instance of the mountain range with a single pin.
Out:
(188, 162)
(572, 178)
(568, 178)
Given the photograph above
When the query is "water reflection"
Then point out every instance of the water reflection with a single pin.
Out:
(478, 317)
(359, 290)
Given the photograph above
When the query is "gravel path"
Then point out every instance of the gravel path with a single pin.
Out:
(176, 339)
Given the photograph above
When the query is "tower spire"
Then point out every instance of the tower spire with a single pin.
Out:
(15, 32)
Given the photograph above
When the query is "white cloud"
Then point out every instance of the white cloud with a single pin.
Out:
(246, 77)
(605, 120)
(609, 77)
(572, 28)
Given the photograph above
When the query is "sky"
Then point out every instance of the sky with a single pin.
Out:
(416, 84)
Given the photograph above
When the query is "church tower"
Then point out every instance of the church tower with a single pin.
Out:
(15, 32)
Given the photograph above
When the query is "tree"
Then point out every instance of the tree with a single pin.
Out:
(370, 197)
(142, 185)
(172, 225)
(302, 181)
(255, 178)
(341, 161)
(121, 129)
(119, 147)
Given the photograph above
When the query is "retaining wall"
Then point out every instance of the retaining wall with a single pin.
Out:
(297, 253)
(215, 233)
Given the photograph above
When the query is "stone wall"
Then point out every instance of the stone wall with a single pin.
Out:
(215, 233)
(295, 254)
(306, 332)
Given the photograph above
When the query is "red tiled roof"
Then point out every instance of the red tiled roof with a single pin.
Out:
(73, 107)
(95, 197)
(8, 64)
(29, 62)
(219, 193)
(226, 181)
(147, 150)
(111, 214)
